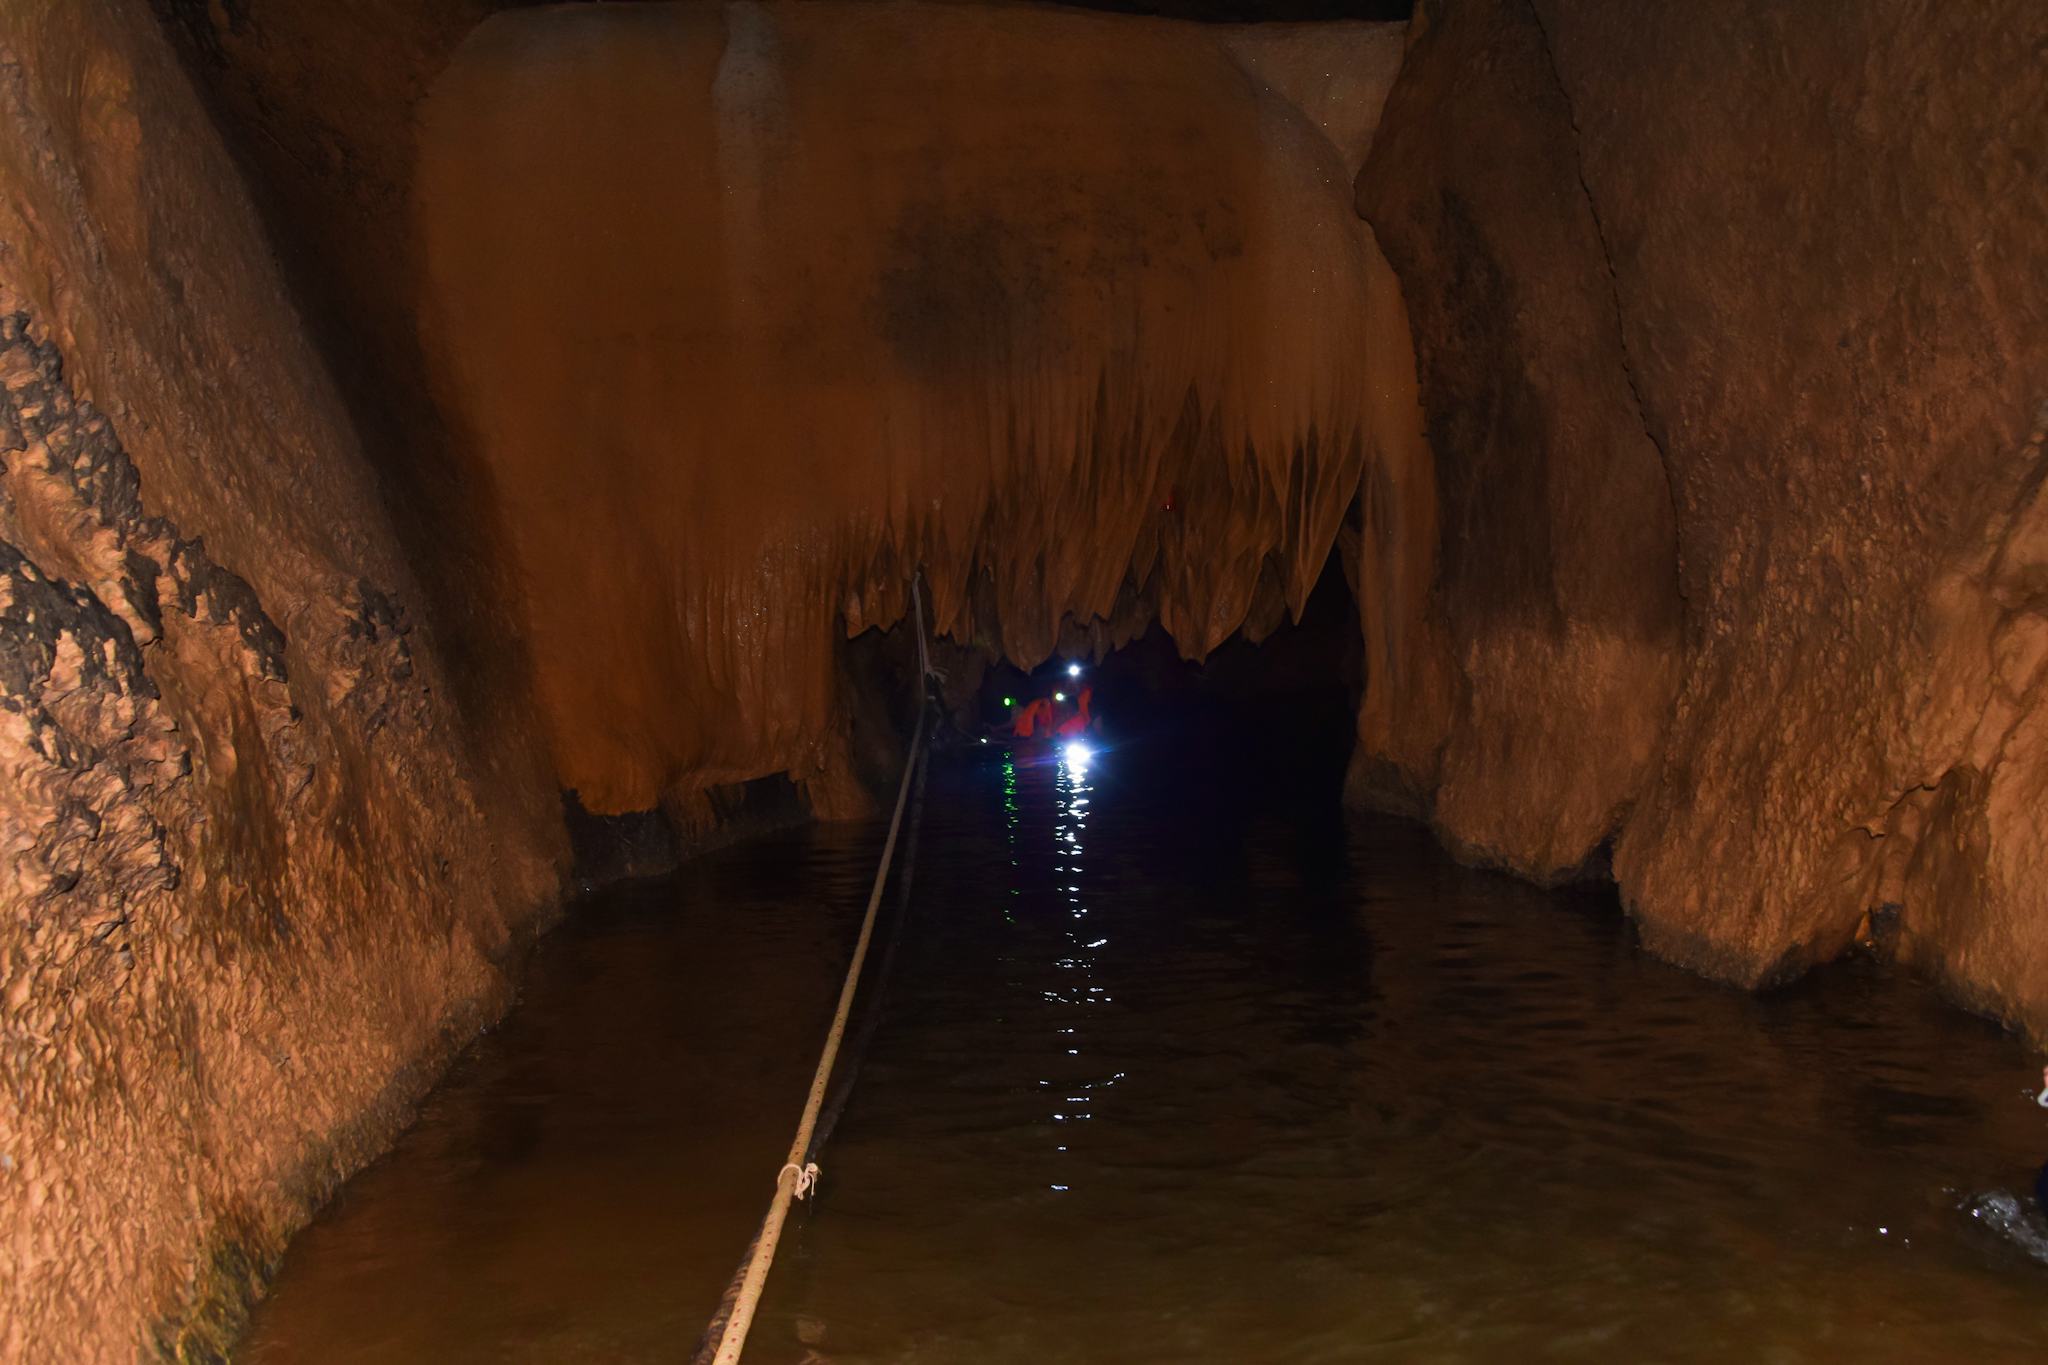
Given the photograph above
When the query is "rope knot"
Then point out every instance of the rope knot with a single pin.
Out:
(806, 1177)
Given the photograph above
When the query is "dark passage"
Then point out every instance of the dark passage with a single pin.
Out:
(1177, 1065)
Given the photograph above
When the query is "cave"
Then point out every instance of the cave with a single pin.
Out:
(1380, 658)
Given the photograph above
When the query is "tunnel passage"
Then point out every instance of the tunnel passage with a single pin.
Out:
(415, 409)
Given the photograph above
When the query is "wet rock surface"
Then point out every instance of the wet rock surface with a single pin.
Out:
(1819, 234)
(1842, 352)
(882, 288)
(1554, 588)
(248, 898)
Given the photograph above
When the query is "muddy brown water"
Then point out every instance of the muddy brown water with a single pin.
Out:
(1175, 1064)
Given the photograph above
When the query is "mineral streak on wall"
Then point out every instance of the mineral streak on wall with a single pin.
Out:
(751, 310)
(248, 899)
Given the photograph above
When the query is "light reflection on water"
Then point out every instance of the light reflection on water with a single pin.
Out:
(1177, 1066)
(1074, 1094)
(1229, 1082)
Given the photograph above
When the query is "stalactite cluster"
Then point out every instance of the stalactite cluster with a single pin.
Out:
(754, 313)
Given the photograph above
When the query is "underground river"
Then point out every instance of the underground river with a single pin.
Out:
(1177, 1064)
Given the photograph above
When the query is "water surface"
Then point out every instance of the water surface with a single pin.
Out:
(1177, 1065)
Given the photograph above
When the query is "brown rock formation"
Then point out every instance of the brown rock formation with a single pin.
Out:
(1555, 594)
(753, 310)
(318, 104)
(247, 897)
(1835, 309)
(1820, 232)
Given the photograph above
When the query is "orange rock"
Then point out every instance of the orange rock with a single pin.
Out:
(1520, 681)
(1697, 306)
(248, 895)
(754, 312)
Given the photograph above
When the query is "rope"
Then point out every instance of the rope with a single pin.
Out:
(806, 1176)
(924, 655)
(842, 1090)
(799, 1174)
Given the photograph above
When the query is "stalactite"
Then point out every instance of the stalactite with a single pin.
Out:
(1070, 312)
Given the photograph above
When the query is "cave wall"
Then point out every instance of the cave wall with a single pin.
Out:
(752, 310)
(318, 104)
(1555, 591)
(251, 900)
(1775, 268)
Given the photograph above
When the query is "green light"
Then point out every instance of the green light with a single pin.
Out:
(1009, 701)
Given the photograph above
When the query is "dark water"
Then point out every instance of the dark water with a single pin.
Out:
(1176, 1065)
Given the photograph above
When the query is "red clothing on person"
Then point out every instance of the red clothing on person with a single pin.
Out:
(1037, 713)
(1078, 723)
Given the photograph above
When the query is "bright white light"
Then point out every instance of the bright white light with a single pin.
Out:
(1078, 755)
(1059, 696)
(1073, 670)
(984, 739)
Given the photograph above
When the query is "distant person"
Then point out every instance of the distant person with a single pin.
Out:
(1032, 718)
(1081, 721)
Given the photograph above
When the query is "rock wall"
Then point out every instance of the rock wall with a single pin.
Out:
(1555, 583)
(1769, 271)
(752, 310)
(248, 899)
(318, 105)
